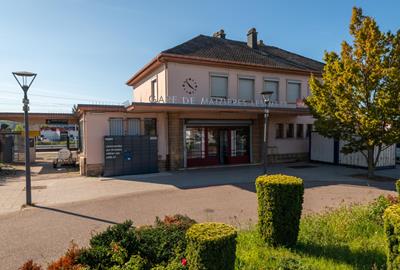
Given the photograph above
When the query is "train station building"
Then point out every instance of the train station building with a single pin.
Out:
(200, 104)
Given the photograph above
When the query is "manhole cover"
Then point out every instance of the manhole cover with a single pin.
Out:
(37, 187)
(302, 166)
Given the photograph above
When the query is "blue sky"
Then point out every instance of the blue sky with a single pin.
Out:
(85, 50)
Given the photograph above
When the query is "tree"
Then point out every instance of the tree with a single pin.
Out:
(358, 98)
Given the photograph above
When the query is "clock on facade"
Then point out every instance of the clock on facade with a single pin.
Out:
(190, 86)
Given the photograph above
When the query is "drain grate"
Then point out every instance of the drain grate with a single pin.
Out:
(302, 166)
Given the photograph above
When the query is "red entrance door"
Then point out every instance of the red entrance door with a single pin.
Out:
(207, 146)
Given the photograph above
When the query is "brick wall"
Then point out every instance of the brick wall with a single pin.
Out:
(257, 139)
(175, 144)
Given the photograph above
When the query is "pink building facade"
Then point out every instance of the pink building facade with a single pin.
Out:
(202, 101)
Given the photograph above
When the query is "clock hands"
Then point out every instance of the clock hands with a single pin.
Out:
(187, 82)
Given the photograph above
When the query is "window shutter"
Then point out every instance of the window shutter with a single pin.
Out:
(219, 86)
(272, 86)
(133, 126)
(246, 89)
(116, 127)
(293, 92)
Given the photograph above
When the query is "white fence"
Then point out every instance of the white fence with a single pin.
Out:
(324, 149)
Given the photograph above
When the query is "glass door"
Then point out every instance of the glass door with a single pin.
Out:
(202, 146)
(207, 146)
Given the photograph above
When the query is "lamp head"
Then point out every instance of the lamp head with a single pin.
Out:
(24, 79)
(267, 96)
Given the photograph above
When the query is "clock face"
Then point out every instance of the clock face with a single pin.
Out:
(190, 86)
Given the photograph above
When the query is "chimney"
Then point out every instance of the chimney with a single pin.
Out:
(219, 34)
(252, 38)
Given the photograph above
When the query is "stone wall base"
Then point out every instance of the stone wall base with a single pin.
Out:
(283, 158)
(94, 169)
(97, 169)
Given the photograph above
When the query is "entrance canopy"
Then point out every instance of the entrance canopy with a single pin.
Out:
(166, 107)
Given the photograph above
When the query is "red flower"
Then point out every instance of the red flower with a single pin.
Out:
(184, 262)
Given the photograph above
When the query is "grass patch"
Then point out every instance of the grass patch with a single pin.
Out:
(346, 238)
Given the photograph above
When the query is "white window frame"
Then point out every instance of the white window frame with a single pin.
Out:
(269, 79)
(287, 89)
(246, 77)
(154, 90)
(221, 75)
(109, 126)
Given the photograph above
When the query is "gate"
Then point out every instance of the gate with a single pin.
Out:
(125, 155)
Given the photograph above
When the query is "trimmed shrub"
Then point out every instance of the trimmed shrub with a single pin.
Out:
(391, 219)
(211, 246)
(280, 199)
(398, 187)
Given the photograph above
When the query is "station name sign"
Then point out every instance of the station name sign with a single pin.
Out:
(206, 101)
(223, 102)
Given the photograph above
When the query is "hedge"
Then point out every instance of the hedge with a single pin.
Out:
(391, 219)
(211, 246)
(398, 187)
(280, 199)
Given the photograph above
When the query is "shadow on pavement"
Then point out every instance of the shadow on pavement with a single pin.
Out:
(315, 175)
(75, 214)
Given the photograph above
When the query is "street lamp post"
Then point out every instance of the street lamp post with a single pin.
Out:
(25, 80)
(267, 98)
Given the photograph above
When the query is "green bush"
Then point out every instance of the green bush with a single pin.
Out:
(182, 222)
(280, 199)
(101, 253)
(392, 234)
(379, 205)
(398, 187)
(135, 263)
(166, 240)
(211, 246)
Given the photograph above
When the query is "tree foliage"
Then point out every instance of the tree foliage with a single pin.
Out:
(358, 98)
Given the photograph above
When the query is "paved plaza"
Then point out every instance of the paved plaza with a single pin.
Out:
(72, 208)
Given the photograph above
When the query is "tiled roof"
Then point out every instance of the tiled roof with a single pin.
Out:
(216, 48)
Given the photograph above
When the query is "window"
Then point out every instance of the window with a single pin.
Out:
(219, 86)
(150, 127)
(133, 126)
(293, 92)
(309, 130)
(270, 85)
(279, 131)
(195, 143)
(116, 126)
(246, 89)
(81, 136)
(299, 131)
(290, 131)
(154, 90)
